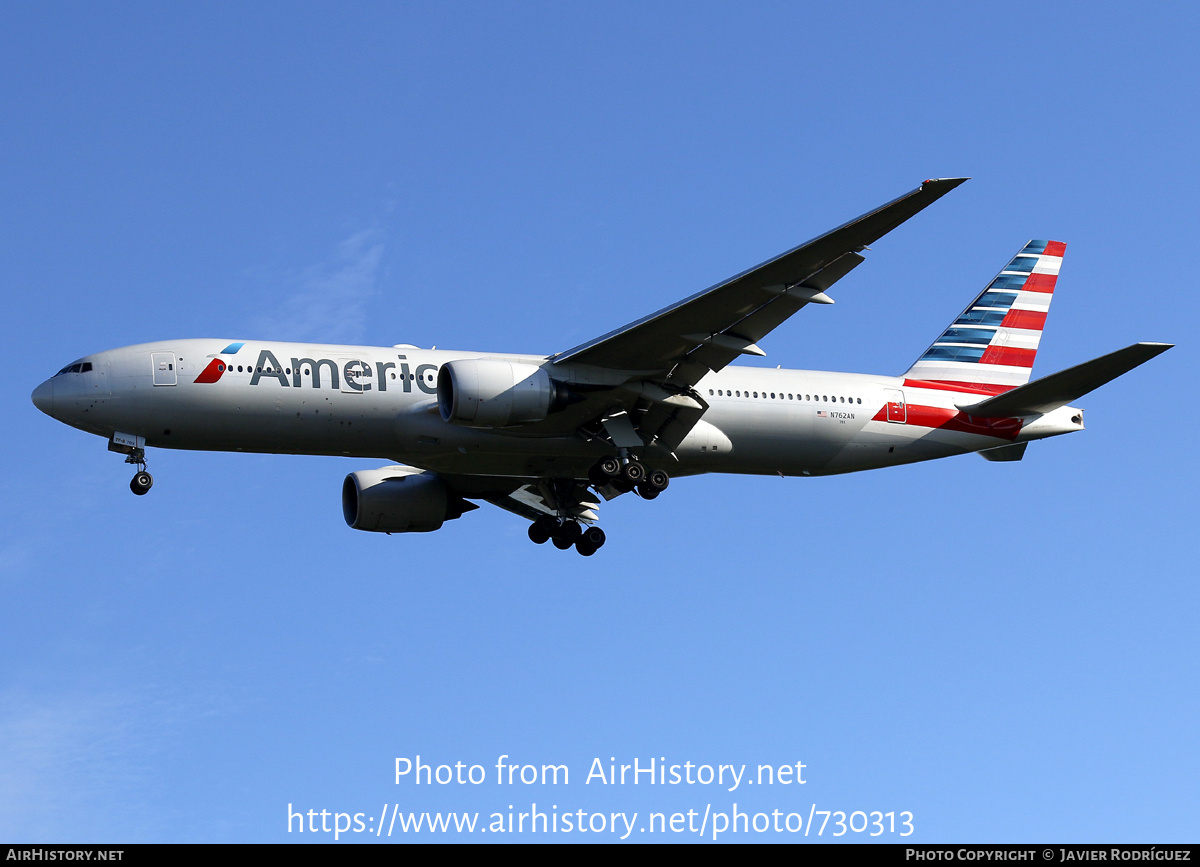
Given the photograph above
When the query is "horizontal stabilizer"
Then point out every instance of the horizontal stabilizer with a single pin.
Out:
(1059, 389)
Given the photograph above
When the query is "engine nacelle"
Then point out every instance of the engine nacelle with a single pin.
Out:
(493, 393)
(397, 500)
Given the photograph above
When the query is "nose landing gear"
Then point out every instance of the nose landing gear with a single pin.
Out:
(142, 481)
(133, 447)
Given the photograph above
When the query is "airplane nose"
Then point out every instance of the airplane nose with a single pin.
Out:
(43, 397)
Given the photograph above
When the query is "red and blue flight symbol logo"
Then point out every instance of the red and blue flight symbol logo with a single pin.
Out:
(217, 366)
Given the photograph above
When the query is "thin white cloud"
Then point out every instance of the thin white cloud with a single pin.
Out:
(87, 764)
(66, 771)
(328, 302)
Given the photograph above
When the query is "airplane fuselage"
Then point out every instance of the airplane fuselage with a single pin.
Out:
(381, 402)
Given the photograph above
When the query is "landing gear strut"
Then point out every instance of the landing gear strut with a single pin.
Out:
(142, 481)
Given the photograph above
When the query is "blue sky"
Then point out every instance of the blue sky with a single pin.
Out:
(1008, 651)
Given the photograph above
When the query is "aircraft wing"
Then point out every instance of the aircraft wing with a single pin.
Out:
(680, 344)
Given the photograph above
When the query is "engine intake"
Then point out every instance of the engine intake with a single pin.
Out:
(489, 393)
(399, 500)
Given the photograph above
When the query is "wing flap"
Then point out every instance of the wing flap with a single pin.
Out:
(536, 500)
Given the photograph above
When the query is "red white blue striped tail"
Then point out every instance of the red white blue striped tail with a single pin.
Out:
(991, 346)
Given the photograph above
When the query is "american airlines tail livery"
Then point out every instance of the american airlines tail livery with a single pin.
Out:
(549, 437)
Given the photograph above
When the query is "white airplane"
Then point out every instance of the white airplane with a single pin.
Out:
(547, 437)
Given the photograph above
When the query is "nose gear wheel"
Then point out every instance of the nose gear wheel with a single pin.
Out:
(142, 481)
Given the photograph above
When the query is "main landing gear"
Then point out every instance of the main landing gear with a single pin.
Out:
(565, 533)
(142, 481)
(625, 473)
(629, 474)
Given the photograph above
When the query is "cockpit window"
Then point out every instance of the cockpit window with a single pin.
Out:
(77, 367)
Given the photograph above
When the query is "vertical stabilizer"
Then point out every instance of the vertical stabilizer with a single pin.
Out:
(991, 346)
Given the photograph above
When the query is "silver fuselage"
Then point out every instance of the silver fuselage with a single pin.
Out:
(380, 402)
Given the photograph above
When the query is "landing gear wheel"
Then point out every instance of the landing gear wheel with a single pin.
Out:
(604, 472)
(141, 483)
(646, 492)
(590, 542)
(565, 534)
(142, 480)
(633, 472)
(655, 483)
(539, 533)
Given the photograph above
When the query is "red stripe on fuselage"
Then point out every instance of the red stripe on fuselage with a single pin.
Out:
(943, 418)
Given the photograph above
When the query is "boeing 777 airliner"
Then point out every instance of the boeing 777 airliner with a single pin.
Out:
(547, 437)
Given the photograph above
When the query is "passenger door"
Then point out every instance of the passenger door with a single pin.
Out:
(163, 365)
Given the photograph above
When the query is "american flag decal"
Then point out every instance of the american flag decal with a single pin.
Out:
(822, 414)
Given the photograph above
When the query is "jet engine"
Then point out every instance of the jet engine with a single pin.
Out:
(489, 393)
(399, 500)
